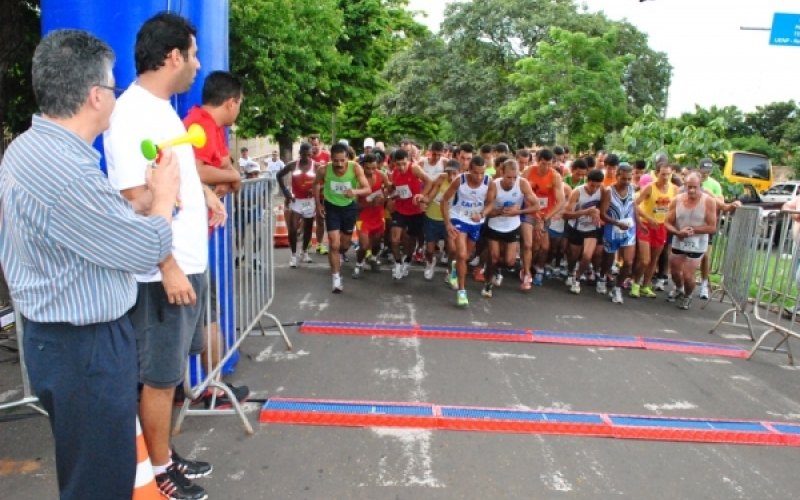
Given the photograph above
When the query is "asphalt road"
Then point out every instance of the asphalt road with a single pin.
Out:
(303, 462)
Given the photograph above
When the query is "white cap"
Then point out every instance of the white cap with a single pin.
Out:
(369, 142)
(344, 141)
(252, 167)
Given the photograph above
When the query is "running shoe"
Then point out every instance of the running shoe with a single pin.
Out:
(616, 295)
(685, 302)
(173, 485)
(635, 289)
(660, 284)
(462, 298)
(222, 402)
(674, 295)
(615, 269)
(703, 291)
(487, 291)
(293, 261)
(397, 273)
(337, 284)
(374, 265)
(443, 258)
(405, 269)
(357, 271)
(191, 469)
(576, 287)
(526, 283)
(538, 278)
(648, 292)
(475, 261)
(305, 258)
(601, 287)
(430, 268)
(322, 249)
(452, 276)
(548, 272)
(498, 279)
(419, 256)
(478, 275)
(569, 281)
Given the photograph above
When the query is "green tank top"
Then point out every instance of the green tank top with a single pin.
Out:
(336, 186)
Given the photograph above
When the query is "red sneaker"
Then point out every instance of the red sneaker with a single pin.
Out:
(477, 274)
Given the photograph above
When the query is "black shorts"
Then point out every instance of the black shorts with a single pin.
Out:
(341, 218)
(691, 255)
(413, 224)
(576, 237)
(509, 237)
(167, 334)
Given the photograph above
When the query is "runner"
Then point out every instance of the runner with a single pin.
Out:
(407, 206)
(370, 218)
(433, 225)
(470, 192)
(610, 174)
(504, 220)
(692, 217)
(652, 206)
(546, 183)
(639, 169)
(434, 166)
(558, 240)
(523, 157)
(465, 153)
(584, 229)
(341, 181)
(301, 208)
(321, 158)
(618, 211)
(578, 174)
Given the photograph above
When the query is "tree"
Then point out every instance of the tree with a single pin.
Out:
(20, 32)
(768, 121)
(575, 80)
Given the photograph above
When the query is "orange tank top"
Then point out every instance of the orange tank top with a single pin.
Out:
(542, 186)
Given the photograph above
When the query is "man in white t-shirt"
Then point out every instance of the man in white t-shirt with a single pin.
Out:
(170, 308)
(245, 162)
(274, 164)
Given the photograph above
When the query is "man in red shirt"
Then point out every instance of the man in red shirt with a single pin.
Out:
(222, 98)
(320, 158)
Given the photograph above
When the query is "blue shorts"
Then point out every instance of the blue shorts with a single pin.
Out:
(611, 246)
(434, 230)
(554, 234)
(341, 218)
(473, 231)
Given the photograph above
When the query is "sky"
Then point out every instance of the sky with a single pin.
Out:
(714, 61)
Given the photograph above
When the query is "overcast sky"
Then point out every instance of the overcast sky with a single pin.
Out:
(715, 63)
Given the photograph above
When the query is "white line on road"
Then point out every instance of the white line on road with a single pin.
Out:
(675, 405)
(416, 451)
(710, 360)
(267, 354)
(6, 396)
(505, 355)
(734, 336)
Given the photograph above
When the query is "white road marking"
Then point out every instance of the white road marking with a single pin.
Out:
(785, 416)
(790, 368)
(669, 331)
(306, 302)
(710, 360)
(199, 445)
(675, 405)
(267, 354)
(237, 476)
(556, 481)
(6, 396)
(734, 336)
(415, 462)
(497, 356)
(479, 323)
(734, 486)
(741, 377)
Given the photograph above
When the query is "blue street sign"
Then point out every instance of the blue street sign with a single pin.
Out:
(785, 30)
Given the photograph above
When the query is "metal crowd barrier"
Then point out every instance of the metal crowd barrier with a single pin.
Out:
(28, 398)
(776, 301)
(243, 276)
(717, 254)
(738, 263)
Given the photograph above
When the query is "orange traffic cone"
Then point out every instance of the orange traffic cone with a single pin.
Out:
(281, 236)
(145, 486)
(314, 241)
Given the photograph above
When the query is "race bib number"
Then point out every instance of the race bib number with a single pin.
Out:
(403, 192)
(306, 204)
(340, 187)
(585, 223)
(472, 212)
(660, 210)
(690, 244)
(542, 203)
(620, 234)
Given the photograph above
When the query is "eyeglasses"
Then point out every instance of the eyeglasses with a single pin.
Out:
(116, 90)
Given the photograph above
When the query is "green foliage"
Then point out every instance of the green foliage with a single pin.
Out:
(394, 128)
(20, 30)
(575, 80)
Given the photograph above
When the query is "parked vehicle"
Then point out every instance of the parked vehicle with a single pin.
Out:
(781, 192)
(748, 168)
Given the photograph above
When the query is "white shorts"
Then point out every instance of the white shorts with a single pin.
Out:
(304, 206)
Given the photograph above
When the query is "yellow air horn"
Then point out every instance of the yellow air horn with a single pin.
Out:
(195, 136)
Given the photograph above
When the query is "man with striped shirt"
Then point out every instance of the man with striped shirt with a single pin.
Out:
(70, 245)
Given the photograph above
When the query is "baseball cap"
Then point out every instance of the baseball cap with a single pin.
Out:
(345, 142)
(706, 164)
(645, 180)
(453, 165)
(252, 167)
(369, 142)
